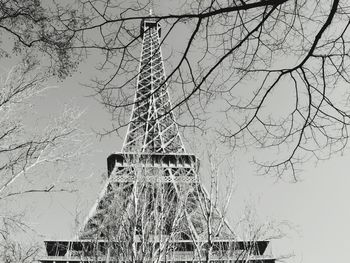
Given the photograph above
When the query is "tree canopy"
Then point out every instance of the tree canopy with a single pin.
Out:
(272, 74)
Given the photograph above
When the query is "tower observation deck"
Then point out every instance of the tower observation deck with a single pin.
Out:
(153, 208)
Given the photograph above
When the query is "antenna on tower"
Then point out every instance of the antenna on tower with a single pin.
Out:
(151, 8)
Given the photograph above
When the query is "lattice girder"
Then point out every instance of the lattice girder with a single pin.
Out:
(152, 126)
(126, 186)
(153, 207)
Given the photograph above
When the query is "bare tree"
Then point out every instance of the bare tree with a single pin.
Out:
(29, 26)
(137, 220)
(273, 73)
(213, 208)
(12, 251)
(26, 150)
(147, 214)
(220, 240)
(23, 147)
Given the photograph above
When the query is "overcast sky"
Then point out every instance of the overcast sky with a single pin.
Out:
(316, 207)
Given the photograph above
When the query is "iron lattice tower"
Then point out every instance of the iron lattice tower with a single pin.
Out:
(153, 208)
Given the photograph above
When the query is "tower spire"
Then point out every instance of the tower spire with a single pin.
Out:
(152, 127)
(151, 8)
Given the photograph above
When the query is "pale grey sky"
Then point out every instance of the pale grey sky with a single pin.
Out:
(316, 206)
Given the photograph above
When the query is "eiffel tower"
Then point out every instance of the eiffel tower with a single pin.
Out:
(153, 207)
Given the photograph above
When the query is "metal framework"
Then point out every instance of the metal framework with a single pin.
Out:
(153, 208)
(152, 126)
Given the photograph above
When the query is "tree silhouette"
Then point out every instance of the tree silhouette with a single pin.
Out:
(273, 73)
